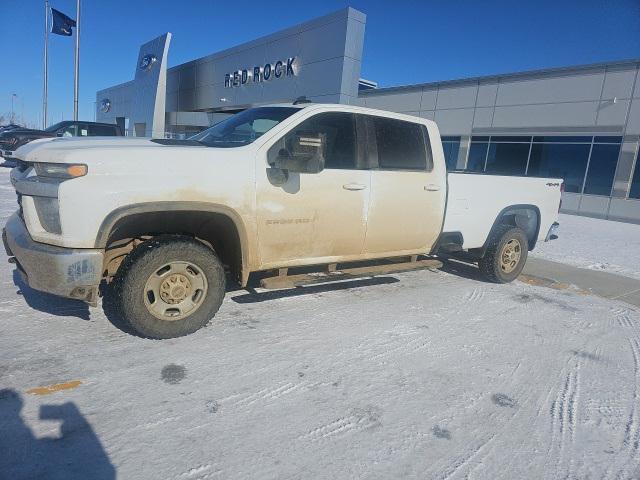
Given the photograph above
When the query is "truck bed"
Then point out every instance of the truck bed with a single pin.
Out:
(474, 201)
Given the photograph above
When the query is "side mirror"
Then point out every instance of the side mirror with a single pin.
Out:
(305, 154)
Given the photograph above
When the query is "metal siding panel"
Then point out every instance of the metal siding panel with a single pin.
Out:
(487, 94)
(612, 113)
(188, 78)
(320, 78)
(323, 42)
(173, 81)
(454, 122)
(566, 88)
(548, 115)
(172, 102)
(248, 58)
(396, 102)
(187, 99)
(483, 117)
(594, 206)
(618, 83)
(205, 74)
(430, 115)
(283, 48)
(428, 101)
(355, 39)
(633, 122)
(456, 97)
(350, 77)
(625, 210)
(254, 92)
(570, 202)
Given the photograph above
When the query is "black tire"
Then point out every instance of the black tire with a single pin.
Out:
(491, 264)
(148, 257)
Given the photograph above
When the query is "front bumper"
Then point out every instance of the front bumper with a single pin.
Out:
(67, 272)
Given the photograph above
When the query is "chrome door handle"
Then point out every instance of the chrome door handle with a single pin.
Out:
(431, 187)
(354, 186)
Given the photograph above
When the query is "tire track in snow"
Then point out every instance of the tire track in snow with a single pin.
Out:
(201, 472)
(623, 318)
(359, 420)
(476, 295)
(564, 419)
(266, 394)
(464, 460)
(631, 442)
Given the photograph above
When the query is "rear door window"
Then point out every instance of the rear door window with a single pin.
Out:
(401, 145)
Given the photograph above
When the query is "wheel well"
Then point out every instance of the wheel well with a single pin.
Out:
(216, 230)
(526, 217)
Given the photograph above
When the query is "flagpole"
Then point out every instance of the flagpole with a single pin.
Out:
(46, 64)
(76, 63)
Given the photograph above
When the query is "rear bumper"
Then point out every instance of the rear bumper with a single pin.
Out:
(552, 234)
(67, 272)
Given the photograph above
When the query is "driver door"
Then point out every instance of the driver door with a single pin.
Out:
(310, 218)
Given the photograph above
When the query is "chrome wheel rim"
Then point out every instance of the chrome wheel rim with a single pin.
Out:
(510, 255)
(175, 290)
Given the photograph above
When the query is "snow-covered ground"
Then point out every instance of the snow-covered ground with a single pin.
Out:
(416, 375)
(596, 244)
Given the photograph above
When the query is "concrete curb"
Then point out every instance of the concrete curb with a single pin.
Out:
(538, 271)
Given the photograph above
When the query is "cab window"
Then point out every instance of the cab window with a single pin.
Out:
(401, 145)
(336, 130)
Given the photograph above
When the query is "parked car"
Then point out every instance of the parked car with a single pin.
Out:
(270, 188)
(10, 126)
(14, 138)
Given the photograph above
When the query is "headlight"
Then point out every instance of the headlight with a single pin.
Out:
(60, 170)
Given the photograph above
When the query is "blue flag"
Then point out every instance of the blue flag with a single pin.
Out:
(61, 23)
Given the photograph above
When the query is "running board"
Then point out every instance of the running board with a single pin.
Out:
(290, 281)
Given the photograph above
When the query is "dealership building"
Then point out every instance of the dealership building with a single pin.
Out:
(579, 123)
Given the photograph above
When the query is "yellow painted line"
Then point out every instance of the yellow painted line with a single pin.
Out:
(49, 389)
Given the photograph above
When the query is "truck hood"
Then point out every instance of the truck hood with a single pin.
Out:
(60, 150)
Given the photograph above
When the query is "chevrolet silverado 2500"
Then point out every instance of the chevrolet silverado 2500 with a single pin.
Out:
(165, 222)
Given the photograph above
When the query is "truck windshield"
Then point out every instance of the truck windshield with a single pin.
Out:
(244, 127)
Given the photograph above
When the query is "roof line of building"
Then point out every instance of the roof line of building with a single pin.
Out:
(497, 77)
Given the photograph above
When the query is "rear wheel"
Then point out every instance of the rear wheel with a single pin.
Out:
(169, 286)
(506, 254)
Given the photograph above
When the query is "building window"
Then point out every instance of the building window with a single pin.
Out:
(635, 181)
(451, 147)
(560, 160)
(566, 157)
(602, 168)
(477, 154)
(506, 158)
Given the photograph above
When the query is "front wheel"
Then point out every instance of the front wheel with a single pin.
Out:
(506, 254)
(169, 286)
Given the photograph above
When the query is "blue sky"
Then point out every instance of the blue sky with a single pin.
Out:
(405, 41)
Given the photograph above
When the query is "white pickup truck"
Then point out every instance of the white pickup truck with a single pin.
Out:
(164, 222)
